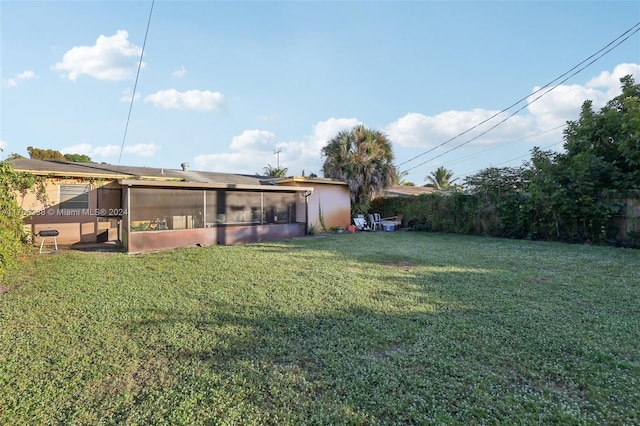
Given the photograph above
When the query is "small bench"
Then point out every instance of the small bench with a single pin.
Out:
(49, 233)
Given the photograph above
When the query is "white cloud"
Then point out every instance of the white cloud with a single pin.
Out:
(324, 131)
(562, 104)
(142, 149)
(197, 100)
(253, 140)
(83, 149)
(565, 101)
(105, 151)
(19, 78)
(111, 58)
(179, 73)
(422, 131)
(545, 110)
(255, 150)
(3, 145)
(236, 162)
(610, 81)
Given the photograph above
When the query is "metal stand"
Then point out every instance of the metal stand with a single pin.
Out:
(49, 233)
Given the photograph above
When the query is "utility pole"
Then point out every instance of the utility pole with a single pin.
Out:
(277, 153)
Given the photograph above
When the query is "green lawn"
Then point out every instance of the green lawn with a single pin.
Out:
(371, 328)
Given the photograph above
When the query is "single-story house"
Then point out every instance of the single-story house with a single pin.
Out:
(151, 209)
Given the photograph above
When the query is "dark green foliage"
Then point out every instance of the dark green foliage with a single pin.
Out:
(364, 159)
(12, 235)
(439, 212)
(78, 158)
(441, 179)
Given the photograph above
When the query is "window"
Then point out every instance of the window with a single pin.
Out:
(74, 196)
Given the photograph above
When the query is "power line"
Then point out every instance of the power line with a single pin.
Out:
(531, 136)
(135, 85)
(513, 159)
(628, 33)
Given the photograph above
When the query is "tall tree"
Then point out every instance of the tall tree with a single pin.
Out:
(609, 139)
(364, 159)
(401, 181)
(441, 179)
(45, 154)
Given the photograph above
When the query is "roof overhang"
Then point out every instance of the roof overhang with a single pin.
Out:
(303, 179)
(199, 185)
(69, 174)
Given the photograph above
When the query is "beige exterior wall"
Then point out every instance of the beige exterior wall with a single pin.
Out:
(74, 225)
(331, 197)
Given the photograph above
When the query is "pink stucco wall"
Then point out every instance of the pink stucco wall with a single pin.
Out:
(73, 225)
(329, 196)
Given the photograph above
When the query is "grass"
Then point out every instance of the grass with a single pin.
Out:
(371, 328)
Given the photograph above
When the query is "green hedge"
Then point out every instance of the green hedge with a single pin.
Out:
(513, 215)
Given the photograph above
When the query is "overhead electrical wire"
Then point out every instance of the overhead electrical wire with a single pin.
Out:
(531, 136)
(135, 85)
(513, 159)
(616, 42)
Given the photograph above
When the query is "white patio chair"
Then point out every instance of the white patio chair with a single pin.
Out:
(373, 223)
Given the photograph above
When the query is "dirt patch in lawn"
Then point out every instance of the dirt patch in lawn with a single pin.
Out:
(387, 352)
(538, 280)
(402, 264)
(5, 289)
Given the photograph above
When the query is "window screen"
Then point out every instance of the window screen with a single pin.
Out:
(74, 196)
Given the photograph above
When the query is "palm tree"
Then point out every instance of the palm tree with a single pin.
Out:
(441, 179)
(364, 159)
(275, 171)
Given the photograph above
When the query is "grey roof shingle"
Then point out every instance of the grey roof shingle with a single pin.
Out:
(61, 168)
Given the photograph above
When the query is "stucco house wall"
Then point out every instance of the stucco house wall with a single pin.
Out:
(331, 197)
(74, 225)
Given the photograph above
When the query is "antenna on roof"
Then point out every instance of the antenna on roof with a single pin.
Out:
(277, 153)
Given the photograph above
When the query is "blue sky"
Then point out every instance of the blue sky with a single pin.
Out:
(225, 84)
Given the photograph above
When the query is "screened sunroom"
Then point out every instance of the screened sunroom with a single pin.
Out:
(160, 215)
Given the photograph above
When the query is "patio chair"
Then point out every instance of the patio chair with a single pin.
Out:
(375, 223)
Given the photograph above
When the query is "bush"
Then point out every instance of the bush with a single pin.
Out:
(12, 235)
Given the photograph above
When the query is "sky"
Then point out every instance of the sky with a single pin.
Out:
(237, 86)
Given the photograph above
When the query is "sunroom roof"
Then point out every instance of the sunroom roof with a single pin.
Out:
(212, 185)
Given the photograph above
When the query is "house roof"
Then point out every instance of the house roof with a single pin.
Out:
(213, 185)
(308, 180)
(407, 191)
(95, 170)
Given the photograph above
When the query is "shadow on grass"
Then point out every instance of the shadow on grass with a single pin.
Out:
(355, 365)
(419, 348)
(402, 356)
